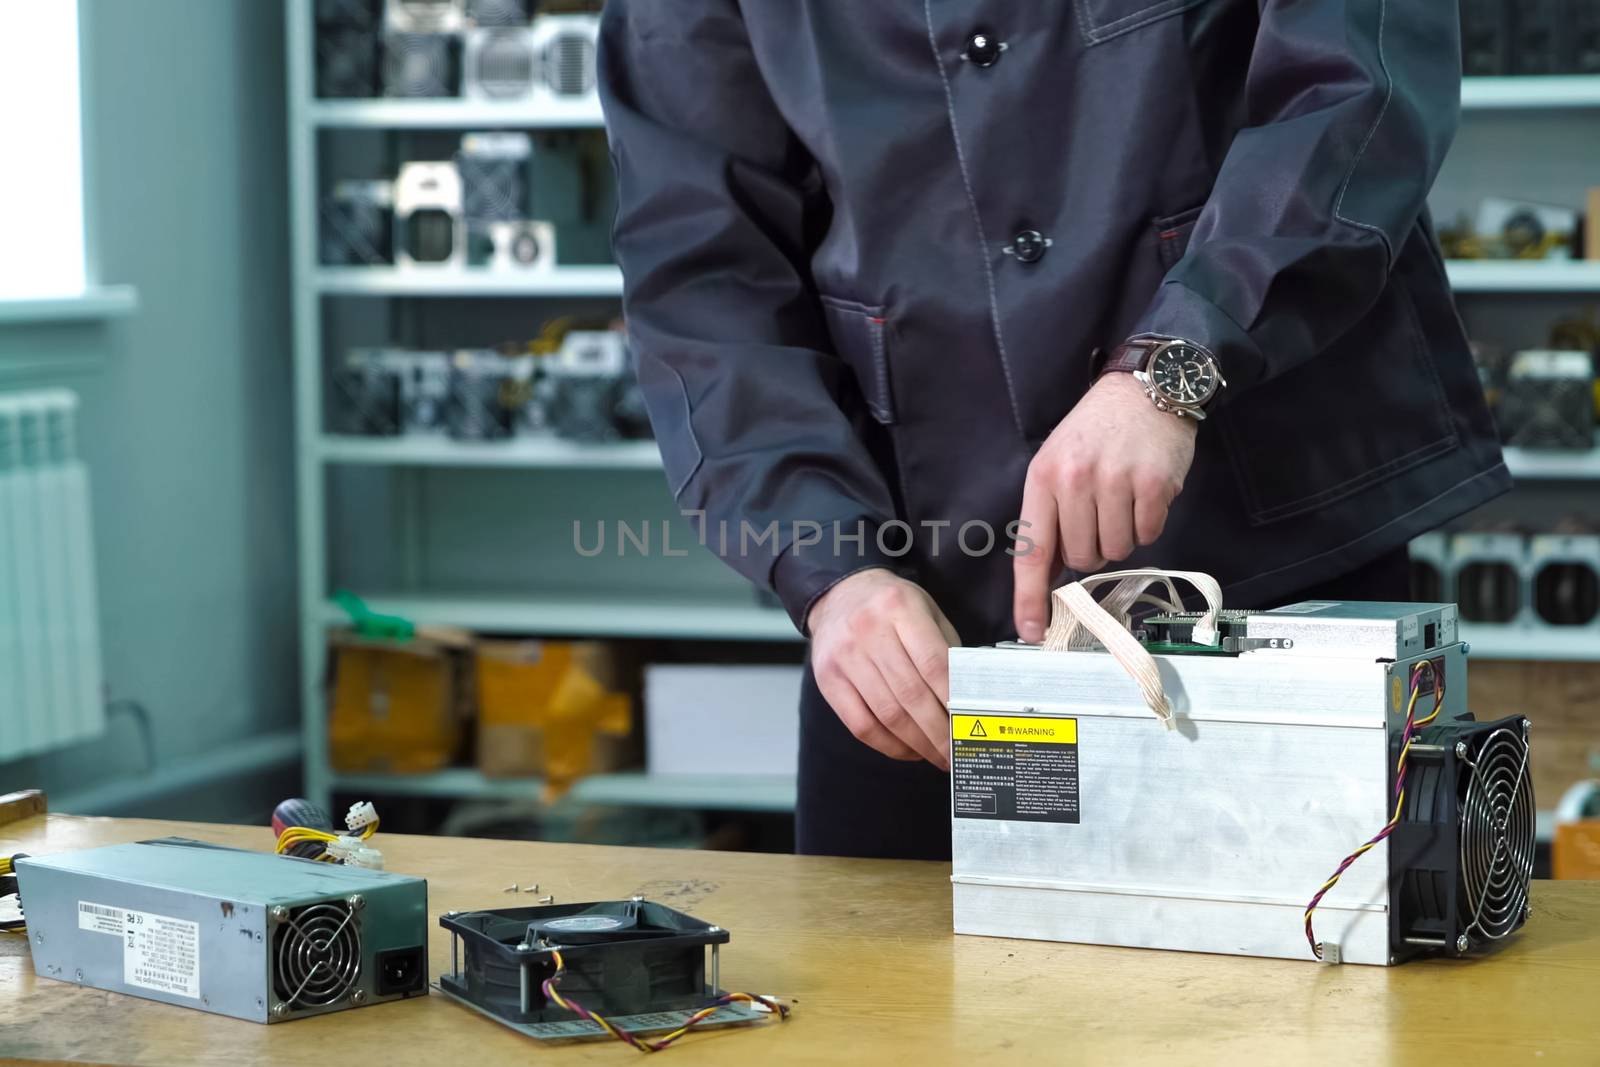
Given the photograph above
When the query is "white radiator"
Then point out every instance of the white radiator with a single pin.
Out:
(50, 677)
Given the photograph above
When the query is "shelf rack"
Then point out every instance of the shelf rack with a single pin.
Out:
(722, 618)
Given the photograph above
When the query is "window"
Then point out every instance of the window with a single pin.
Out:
(41, 175)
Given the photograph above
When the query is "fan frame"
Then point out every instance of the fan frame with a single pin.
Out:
(349, 931)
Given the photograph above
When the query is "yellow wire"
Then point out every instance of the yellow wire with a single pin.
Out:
(299, 835)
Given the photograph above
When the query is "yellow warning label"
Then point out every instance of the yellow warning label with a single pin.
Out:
(1014, 728)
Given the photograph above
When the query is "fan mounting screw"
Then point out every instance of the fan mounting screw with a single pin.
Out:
(1461, 750)
(512, 888)
(278, 914)
(637, 899)
(547, 899)
(356, 902)
(279, 1010)
(1462, 943)
(358, 996)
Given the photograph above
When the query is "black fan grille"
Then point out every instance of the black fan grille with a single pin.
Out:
(317, 955)
(1497, 836)
(505, 64)
(570, 64)
(417, 65)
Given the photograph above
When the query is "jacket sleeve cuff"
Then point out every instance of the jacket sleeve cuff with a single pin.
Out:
(1178, 311)
(803, 572)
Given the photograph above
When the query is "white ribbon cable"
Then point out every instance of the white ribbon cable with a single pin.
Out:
(1080, 622)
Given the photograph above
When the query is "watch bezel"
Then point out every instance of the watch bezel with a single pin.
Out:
(1166, 400)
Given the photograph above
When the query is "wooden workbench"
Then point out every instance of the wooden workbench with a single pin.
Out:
(865, 949)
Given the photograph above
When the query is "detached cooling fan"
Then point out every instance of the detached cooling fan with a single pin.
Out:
(1462, 854)
(584, 970)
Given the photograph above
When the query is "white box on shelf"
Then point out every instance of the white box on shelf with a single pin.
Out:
(722, 719)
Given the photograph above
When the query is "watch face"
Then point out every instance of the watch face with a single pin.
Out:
(1184, 374)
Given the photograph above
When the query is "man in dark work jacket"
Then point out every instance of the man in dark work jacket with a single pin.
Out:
(884, 260)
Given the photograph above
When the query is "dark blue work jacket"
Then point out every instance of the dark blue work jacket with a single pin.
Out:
(870, 247)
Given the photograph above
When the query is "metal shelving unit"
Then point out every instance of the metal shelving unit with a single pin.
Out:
(583, 614)
(719, 616)
(450, 114)
(1533, 276)
(534, 452)
(447, 282)
(1531, 93)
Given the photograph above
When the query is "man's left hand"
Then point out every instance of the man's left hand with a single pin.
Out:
(1100, 485)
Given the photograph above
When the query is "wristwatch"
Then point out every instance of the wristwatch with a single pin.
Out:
(1178, 376)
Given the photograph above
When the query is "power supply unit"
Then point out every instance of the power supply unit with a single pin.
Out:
(347, 63)
(1321, 765)
(423, 16)
(253, 935)
(497, 12)
(494, 175)
(421, 64)
(357, 224)
(365, 392)
(428, 227)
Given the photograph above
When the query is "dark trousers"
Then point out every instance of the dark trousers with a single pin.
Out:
(855, 802)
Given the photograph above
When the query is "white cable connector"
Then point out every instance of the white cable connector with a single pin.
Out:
(354, 852)
(360, 816)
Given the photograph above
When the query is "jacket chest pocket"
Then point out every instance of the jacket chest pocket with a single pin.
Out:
(858, 333)
(1101, 20)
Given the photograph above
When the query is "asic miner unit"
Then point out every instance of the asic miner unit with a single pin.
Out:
(254, 935)
(1304, 783)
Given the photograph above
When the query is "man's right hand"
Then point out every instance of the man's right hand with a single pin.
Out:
(880, 652)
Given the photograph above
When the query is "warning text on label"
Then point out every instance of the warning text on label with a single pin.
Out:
(1014, 768)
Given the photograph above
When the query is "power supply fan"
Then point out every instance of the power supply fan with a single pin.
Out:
(316, 955)
(1462, 854)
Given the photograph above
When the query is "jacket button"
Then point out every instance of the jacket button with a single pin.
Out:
(983, 49)
(1028, 246)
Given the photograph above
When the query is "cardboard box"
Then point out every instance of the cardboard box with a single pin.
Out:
(1591, 226)
(722, 719)
(557, 709)
(397, 706)
(1575, 853)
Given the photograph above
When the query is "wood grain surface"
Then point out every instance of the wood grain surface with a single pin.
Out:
(864, 949)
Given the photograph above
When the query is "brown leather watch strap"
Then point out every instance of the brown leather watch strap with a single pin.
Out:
(1130, 356)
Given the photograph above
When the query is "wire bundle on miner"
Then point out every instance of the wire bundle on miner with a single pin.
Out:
(644, 1044)
(1406, 737)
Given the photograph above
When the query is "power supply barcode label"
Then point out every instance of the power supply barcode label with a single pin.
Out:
(1014, 767)
(161, 953)
(100, 919)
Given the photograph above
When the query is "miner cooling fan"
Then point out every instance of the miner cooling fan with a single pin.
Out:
(1462, 854)
(623, 968)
